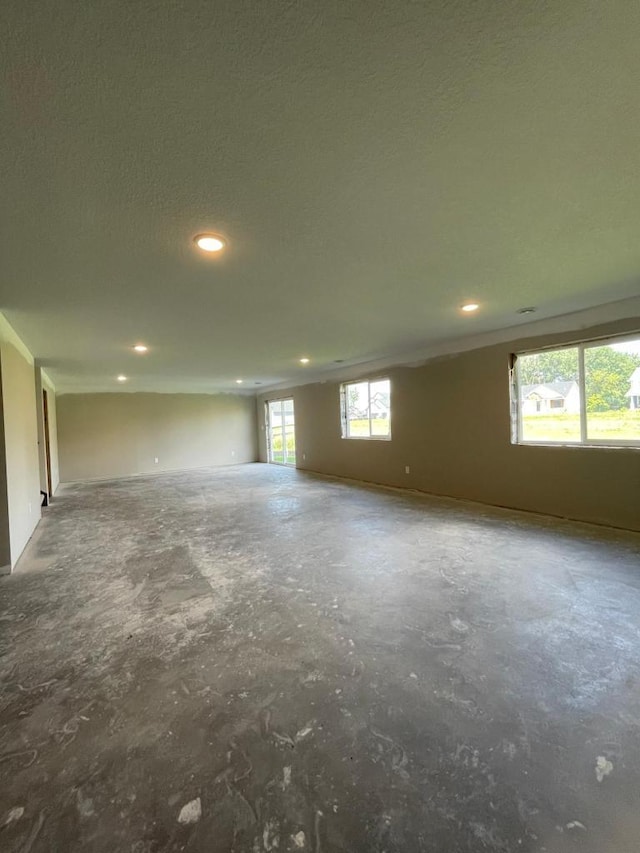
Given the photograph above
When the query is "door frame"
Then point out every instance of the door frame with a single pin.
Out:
(267, 419)
(47, 441)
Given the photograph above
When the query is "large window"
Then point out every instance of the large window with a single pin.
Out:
(583, 394)
(366, 409)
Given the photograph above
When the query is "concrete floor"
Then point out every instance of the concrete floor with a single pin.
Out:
(294, 663)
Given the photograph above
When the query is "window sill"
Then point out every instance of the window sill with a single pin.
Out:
(366, 437)
(605, 445)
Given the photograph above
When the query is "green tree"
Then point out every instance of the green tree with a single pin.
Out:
(607, 373)
(607, 376)
(559, 365)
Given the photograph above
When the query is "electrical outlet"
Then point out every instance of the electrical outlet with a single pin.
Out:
(407, 469)
(30, 507)
(155, 459)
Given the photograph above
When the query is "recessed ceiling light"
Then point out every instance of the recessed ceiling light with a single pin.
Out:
(122, 378)
(304, 361)
(210, 242)
(140, 348)
(469, 307)
(530, 309)
(239, 381)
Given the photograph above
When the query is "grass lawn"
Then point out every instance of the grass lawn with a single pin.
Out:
(623, 424)
(277, 454)
(379, 427)
(620, 425)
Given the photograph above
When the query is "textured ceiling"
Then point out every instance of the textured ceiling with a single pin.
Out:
(372, 164)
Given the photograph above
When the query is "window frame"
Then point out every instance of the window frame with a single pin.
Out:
(584, 441)
(344, 414)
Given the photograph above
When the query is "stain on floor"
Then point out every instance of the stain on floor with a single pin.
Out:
(255, 659)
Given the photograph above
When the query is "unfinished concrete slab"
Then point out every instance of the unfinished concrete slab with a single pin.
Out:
(254, 659)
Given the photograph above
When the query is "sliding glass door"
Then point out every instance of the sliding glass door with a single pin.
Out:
(281, 432)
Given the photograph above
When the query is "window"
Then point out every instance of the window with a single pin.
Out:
(366, 409)
(583, 394)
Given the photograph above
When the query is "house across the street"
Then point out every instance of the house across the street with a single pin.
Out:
(557, 397)
(634, 391)
(379, 405)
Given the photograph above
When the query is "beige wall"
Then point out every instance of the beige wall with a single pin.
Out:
(450, 424)
(116, 435)
(21, 443)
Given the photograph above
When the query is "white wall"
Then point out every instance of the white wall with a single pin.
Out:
(21, 438)
(572, 401)
(21, 445)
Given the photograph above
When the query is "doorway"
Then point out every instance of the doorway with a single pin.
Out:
(47, 443)
(281, 432)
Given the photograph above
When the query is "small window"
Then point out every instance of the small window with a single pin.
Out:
(366, 409)
(584, 394)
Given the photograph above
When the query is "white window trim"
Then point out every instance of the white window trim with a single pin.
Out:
(581, 346)
(344, 416)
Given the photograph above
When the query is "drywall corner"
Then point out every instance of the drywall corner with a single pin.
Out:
(5, 539)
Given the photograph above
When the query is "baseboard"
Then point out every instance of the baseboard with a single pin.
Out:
(136, 474)
(458, 499)
(5, 570)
